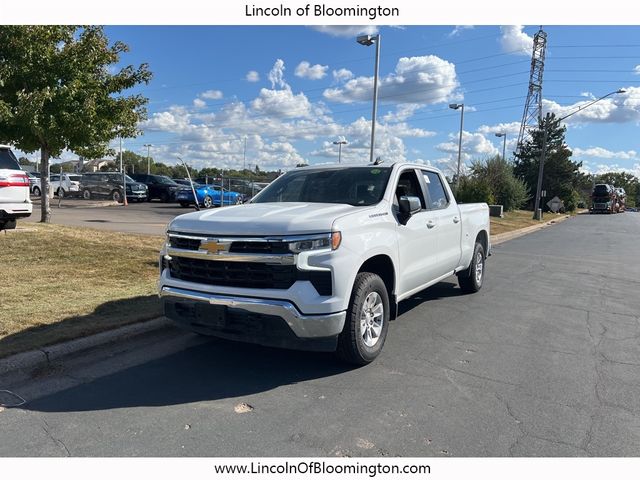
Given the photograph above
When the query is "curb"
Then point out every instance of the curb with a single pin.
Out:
(504, 237)
(23, 365)
(105, 203)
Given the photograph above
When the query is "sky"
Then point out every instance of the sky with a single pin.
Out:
(289, 92)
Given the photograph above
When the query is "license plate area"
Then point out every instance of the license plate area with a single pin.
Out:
(212, 315)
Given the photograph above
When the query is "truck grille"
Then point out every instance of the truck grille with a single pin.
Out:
(246, 274)
(241, 246)
(184, 243)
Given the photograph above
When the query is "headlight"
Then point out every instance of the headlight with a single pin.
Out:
(316, 242)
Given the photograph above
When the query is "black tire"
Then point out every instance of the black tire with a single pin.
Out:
(471, 280)
(184, 204)
(116, 196)
(207, 201)
(60, 192)
(36, 191)
(86, 194)
(352, 346)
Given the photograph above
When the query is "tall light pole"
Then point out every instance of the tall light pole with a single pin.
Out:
(367, 41)
(537, 211)
(504, 144)
(456, 106)
(340, 143)
(124, 181)
(148, 145)
(244, 155)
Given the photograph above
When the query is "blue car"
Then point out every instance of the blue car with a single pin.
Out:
(208, 196)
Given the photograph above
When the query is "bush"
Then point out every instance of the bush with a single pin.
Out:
(473, 189)
(496, 175)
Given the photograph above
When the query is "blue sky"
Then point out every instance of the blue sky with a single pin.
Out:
(292, 90)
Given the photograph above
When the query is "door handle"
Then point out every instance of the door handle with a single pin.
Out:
(456, 220)
(431, 224)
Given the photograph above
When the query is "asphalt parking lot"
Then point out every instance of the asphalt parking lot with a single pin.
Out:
(544, 361)
(144, 217)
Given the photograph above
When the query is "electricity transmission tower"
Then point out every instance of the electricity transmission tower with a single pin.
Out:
(532, 115)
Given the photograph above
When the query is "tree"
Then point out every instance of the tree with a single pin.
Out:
(505, 188)
(561, 174)
(57, 93)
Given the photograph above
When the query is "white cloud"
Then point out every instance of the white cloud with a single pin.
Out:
(511, 128)
(199, 103)
(636, 70)
(619, 108)
(607, 168)
(474, 146)
(342, 75)
(282, 103)
(514, 40)
(276, 74)
(253, 76)
(402, 112)
(422, 80)
(211, 95)
(459, 29)
(346, 30)
(599, 152)
(312, 72)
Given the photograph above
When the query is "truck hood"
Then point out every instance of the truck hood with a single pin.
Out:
(261, 219)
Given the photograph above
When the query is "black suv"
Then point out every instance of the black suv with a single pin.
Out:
(109, 184)
(160, 187)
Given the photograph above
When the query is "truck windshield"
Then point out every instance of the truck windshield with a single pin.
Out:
(352, 185)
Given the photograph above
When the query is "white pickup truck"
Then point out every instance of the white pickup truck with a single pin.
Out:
(321, 257)
(14, 190)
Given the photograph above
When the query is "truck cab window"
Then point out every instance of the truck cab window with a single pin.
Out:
(409, 186)
(437, 194)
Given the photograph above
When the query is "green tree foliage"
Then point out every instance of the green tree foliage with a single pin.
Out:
(561, 174)
(506, 189)
(474, 189)
(57, 93)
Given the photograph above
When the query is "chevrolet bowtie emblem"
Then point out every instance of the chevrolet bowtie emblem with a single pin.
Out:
(212, 246)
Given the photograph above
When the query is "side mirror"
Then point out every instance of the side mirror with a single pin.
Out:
(409, 206)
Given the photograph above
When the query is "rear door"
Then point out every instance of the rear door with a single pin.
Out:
(447, 215)
(14, 183)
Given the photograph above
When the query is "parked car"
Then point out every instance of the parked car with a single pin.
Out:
(109, 184)
(321, 258)
(160, 187)
(65, 184)
(34, 181)
(208, 196)
(14, 190)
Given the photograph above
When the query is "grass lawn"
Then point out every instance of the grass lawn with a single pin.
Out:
(60, 283)
(517, 219)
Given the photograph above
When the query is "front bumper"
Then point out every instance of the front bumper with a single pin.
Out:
(302, 326)
(141, 194)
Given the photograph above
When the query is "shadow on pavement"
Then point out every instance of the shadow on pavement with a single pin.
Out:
(216, 369)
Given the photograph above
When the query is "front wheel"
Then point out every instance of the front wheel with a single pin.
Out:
(60, 192)
(86, 194)
(116, 196)
(207, 201)
(470, 280)
(367, 322)
(36, 191)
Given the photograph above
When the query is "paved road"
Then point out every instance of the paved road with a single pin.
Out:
(545, 360)
(146, 217)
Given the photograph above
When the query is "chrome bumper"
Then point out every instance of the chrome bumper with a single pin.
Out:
(304, 326)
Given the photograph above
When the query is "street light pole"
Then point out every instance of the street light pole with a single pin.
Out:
(456, 106)
(504, 144)
(537, 211)
(124, 182)
(368, 40)
(340, 143)
(148, 145)
(244, 155)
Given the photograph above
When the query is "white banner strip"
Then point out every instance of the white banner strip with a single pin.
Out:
(299, 468)
(303, 12)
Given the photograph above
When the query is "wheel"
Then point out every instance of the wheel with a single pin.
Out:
(238, 200)
(470, 280)
(60, 192)
(86, 194)
(367, 321)
(36, 191)
(207, 201)
(116, 196)
(184, 204)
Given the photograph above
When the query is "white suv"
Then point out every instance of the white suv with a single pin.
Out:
(14, 190)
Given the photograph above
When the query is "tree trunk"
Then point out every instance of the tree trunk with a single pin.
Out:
(45, 206)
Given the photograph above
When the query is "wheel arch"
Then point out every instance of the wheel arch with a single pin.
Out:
(383, 266)
(483, 239)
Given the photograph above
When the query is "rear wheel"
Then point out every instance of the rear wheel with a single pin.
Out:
(36, 191)
(116, 196)
(367, 322)
(60, 192)
(470, 280)
(207, 201)
(86, 194)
